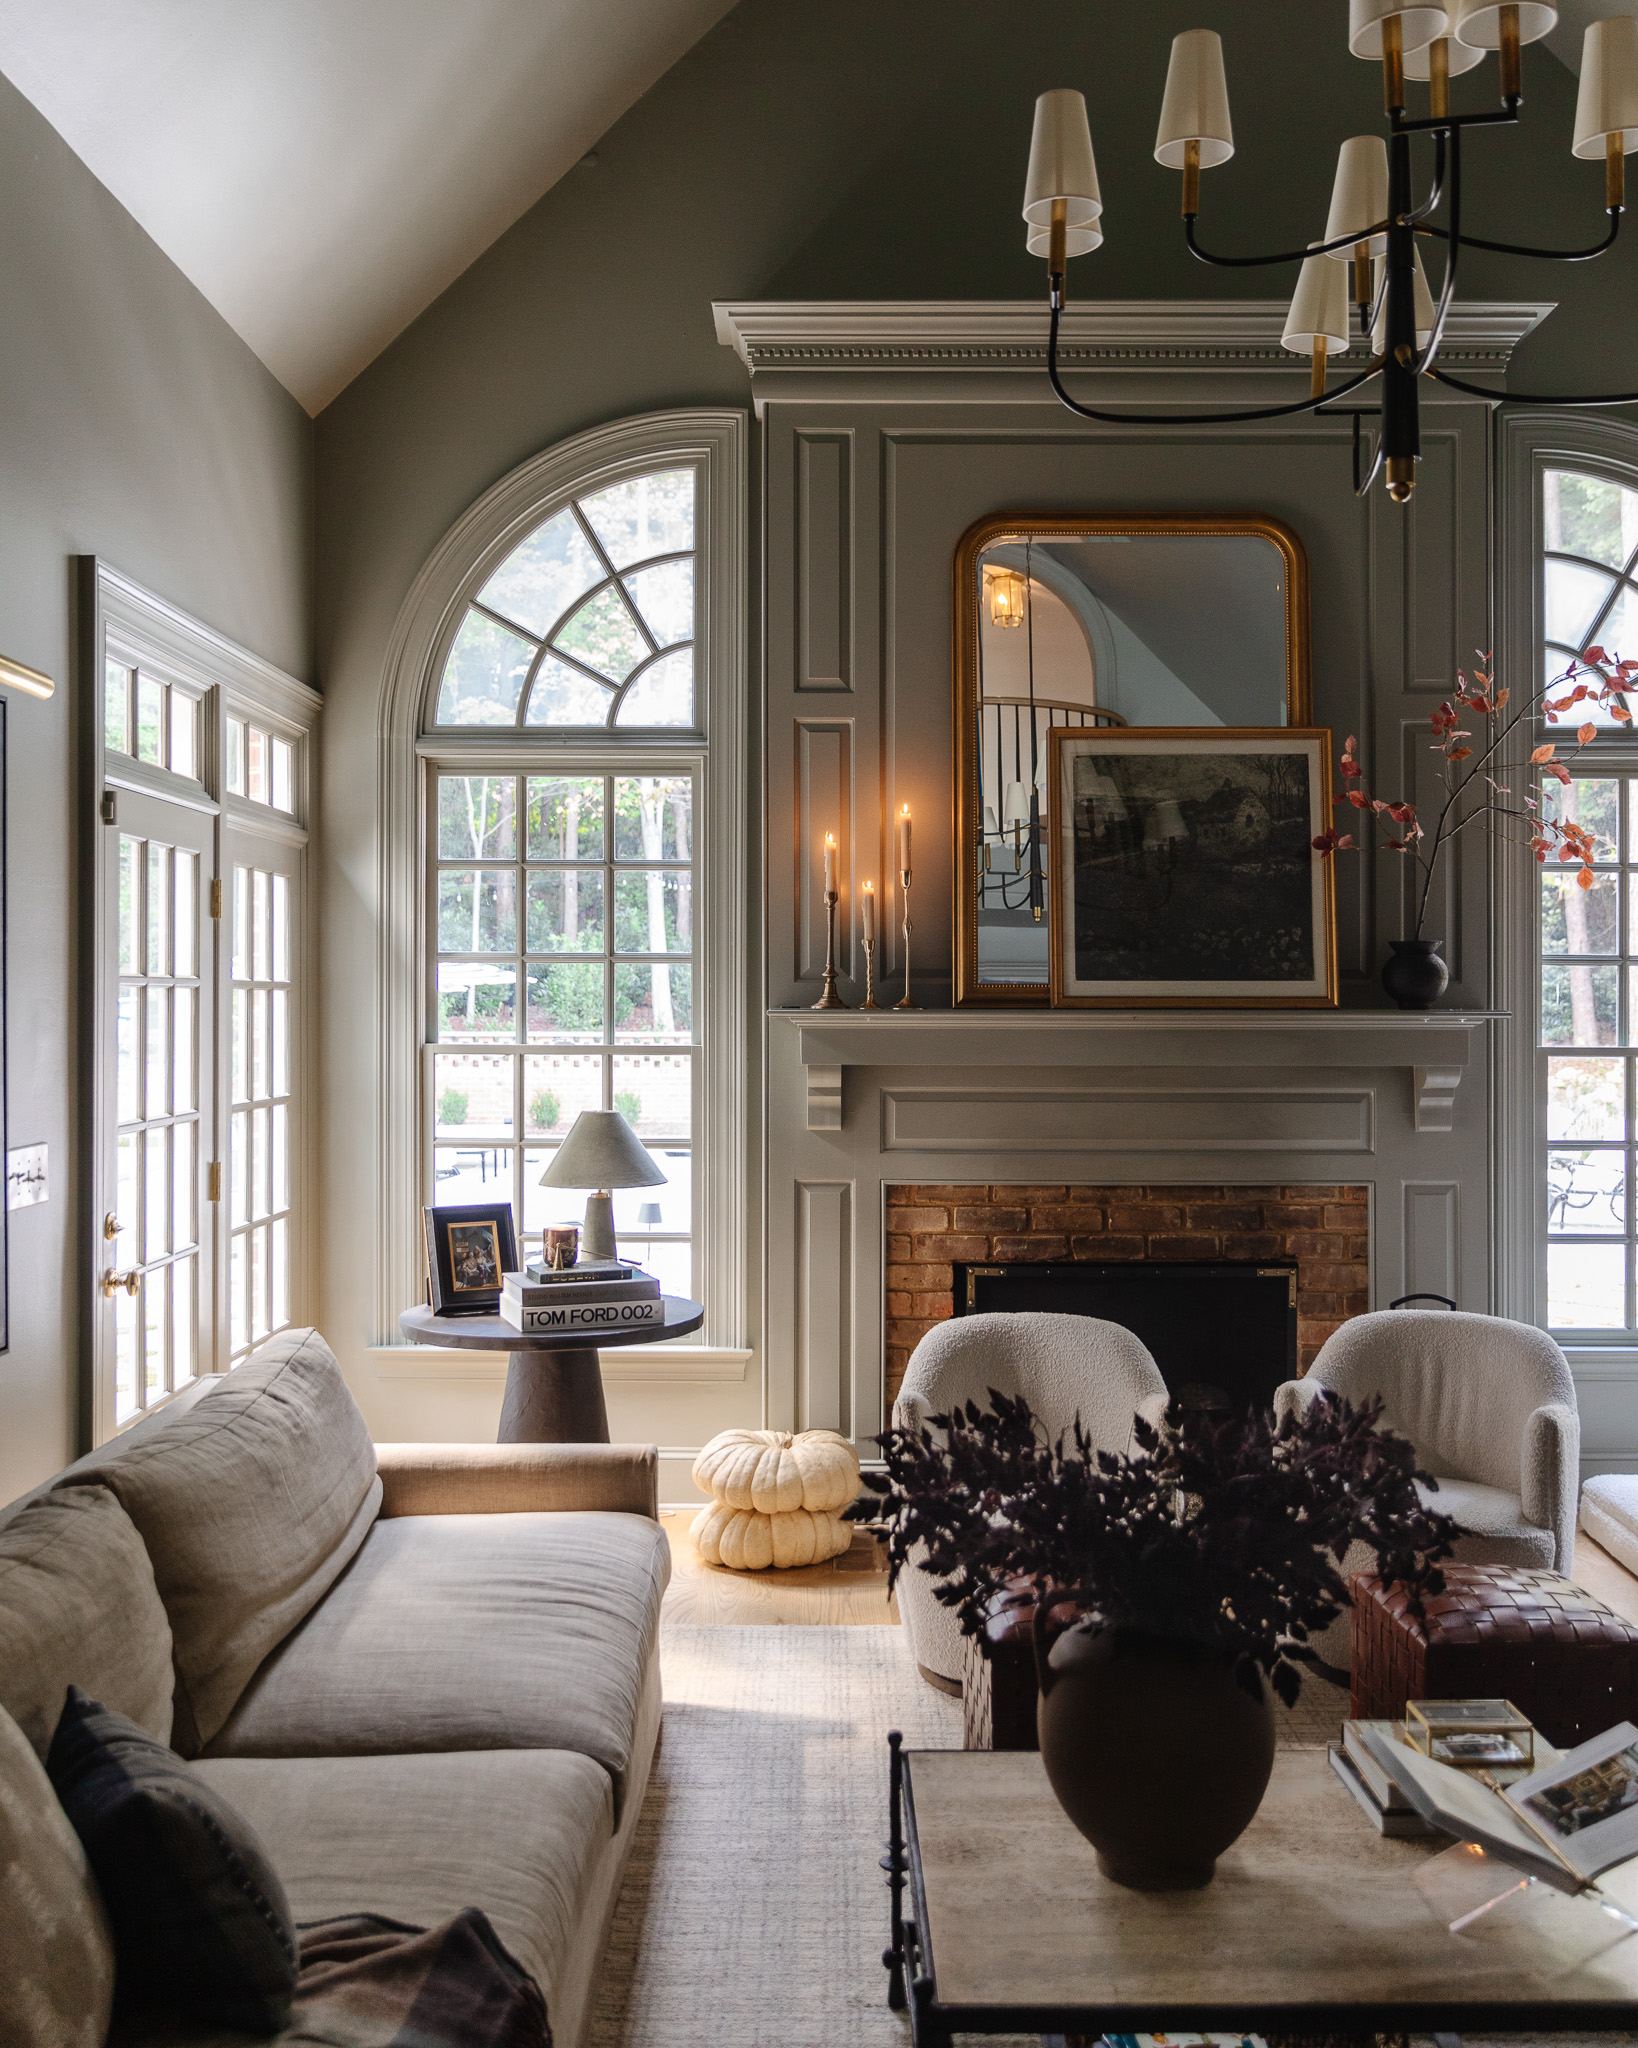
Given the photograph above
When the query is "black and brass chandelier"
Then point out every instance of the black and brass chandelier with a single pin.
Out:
(1376, 214)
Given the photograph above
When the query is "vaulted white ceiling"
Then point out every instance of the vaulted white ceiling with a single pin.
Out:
(322, 169)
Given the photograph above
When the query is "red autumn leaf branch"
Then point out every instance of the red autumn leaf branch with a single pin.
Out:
(1472, 793)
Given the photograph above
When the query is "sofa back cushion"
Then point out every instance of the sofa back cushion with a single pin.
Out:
(56, 1952)
(250, 1506)
(78, 1606)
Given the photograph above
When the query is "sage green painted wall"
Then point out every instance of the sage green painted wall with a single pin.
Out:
(834, 149)
(136, 426)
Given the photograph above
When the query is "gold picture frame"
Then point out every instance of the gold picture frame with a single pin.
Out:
(1247, 804)
(967, 808)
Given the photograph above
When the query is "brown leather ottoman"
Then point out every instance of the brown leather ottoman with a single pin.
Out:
(1496, 1632)
(998, 1691)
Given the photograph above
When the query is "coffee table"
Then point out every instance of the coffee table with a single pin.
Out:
(554, 1385)
(1002, 1923)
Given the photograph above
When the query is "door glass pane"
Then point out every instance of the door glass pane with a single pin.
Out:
(284, 756)
(280, 1016)
(278, 1239)
(157, 1099)
(1586, 1099)
(1586, 1286)
(184, 931)
(281, 928)
(130, 905)
(240, 1176)
(261, 949)
(184, 1057)
(116, 707)
(156, 1220)
(184, 1319)
(150, 719)
(281, 1157)
(235, 767)
(241, 1044)
(159, 909)
(154, 1304)
(241, 924)
(183, 1171)
(184, 733)
(129, 1033)
(125, 1357)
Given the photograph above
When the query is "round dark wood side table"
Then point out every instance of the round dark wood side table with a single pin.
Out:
(554, 1386)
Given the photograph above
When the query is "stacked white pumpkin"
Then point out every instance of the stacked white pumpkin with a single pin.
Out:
(776, 1498)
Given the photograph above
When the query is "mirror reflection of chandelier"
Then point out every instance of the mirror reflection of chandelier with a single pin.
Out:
(1376, 211)
(1007, 595)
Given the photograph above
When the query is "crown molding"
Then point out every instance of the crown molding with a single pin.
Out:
(1010, 334)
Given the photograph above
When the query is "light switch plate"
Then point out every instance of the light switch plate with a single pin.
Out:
(26, 1181)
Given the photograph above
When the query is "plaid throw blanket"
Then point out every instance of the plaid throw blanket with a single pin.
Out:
(370, 1983)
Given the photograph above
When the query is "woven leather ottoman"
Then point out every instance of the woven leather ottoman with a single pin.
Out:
(998, 1692)
(1496, 1632)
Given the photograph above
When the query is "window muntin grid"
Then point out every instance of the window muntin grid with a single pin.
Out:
(157, 1147)
(1587, 1021)
(260, 766)
(1589, 571)
(148, 718)
(590, 622)
(563, 955)
(261, 1121)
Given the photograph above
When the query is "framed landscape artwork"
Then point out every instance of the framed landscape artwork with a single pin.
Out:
(1184, 867)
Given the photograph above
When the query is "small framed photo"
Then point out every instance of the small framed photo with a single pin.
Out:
(1183, 870)
(469, 1248)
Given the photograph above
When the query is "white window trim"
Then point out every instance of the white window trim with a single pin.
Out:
(117, 616)
(1531, 442)
(427, 624)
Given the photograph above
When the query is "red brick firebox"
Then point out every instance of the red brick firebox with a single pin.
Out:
(1325, 1229)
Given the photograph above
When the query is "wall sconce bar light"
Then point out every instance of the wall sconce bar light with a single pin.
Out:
(14, 675)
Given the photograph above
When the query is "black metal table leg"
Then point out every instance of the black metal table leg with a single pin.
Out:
(893, 1864)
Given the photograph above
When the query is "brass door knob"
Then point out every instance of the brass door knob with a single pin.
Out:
(112, 1282)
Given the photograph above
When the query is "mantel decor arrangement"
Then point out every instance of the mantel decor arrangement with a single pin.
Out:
(1376, 213)
(1198, 1568)
(1415, 976)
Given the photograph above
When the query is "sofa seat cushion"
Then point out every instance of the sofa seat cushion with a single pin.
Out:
(78, 1606)
(250, 1504)
(459, 1632)
(417, 1838)
(1498, 1532)
(1609, 1514)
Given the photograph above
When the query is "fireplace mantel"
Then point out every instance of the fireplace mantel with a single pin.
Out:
(1432, 1044)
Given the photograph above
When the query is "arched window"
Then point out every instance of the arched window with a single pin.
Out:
(580, 807)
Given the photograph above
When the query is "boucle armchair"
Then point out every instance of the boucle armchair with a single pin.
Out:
(1490, 1406)
(1063, 1366)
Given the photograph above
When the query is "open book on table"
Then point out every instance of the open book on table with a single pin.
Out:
(1564, 1824)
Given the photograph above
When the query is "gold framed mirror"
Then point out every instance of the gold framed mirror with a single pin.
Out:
(1127, 619)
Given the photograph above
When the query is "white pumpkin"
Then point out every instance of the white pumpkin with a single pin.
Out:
(745, 1541)
(773, 1471)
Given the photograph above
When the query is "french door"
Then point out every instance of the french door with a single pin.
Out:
(155, 1302)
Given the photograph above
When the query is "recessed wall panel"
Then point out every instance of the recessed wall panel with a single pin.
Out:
(824, 1304)
(824, 562)
(824, 803)
(1132, 1120)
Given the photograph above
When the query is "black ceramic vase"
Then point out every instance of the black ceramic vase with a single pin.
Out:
(1415, 976)
(1155, 1749)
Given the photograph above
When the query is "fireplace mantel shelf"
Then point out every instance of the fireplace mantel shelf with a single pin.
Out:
(1431, 1044)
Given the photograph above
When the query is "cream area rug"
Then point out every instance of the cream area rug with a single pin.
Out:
(754, 1913)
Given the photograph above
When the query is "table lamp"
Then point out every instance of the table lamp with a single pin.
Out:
(602, 1153)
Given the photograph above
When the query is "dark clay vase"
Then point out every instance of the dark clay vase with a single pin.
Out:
(1156, 1751)
(1415, 976)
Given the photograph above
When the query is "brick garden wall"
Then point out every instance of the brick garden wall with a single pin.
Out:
(1325, 1229)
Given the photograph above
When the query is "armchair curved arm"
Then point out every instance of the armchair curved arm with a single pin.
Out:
(912, 1411)
(1296, 1397)
(1550, 1476)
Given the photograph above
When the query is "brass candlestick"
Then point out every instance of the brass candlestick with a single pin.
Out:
(870, 1002)
(830, 1000)
(904, 1002)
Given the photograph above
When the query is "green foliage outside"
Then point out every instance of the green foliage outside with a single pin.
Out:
(452, 1106)
(545, 1110)
(630, 1104)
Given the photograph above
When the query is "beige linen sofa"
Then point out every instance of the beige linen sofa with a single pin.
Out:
(426, 1673)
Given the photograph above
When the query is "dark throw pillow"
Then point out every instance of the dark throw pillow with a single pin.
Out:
(201, 1926)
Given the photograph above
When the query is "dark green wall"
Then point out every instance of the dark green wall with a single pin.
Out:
(136, 426)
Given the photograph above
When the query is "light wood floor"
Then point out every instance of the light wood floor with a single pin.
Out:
(851, 1590)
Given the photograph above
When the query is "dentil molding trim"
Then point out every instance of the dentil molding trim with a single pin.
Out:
(1011, 334)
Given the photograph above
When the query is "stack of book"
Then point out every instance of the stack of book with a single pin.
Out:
(596, 1294)
(1387, 1807)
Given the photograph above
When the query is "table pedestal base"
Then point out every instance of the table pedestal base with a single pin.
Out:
(554, 1397)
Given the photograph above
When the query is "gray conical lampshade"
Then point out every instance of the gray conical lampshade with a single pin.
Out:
(601, 1152)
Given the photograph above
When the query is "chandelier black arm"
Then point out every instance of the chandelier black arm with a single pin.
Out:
(1436, 191)
(1285, 255)
(1191, 419)
(1453, 250)
(1532, 398)
(1546, 255)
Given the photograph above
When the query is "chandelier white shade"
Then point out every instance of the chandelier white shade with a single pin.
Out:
(1608, 100)
(1195, 108)
(1479, 22)
(1015, 807)
(1359, 196)
(1424, 307)
(1061, 164)
(1459, 57)
(1418, 25)
(1077, 241)
(1319, 308)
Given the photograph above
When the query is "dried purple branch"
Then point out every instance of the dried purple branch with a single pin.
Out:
(1228, 1533)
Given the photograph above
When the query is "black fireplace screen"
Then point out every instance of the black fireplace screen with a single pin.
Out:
(1224, 1333)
